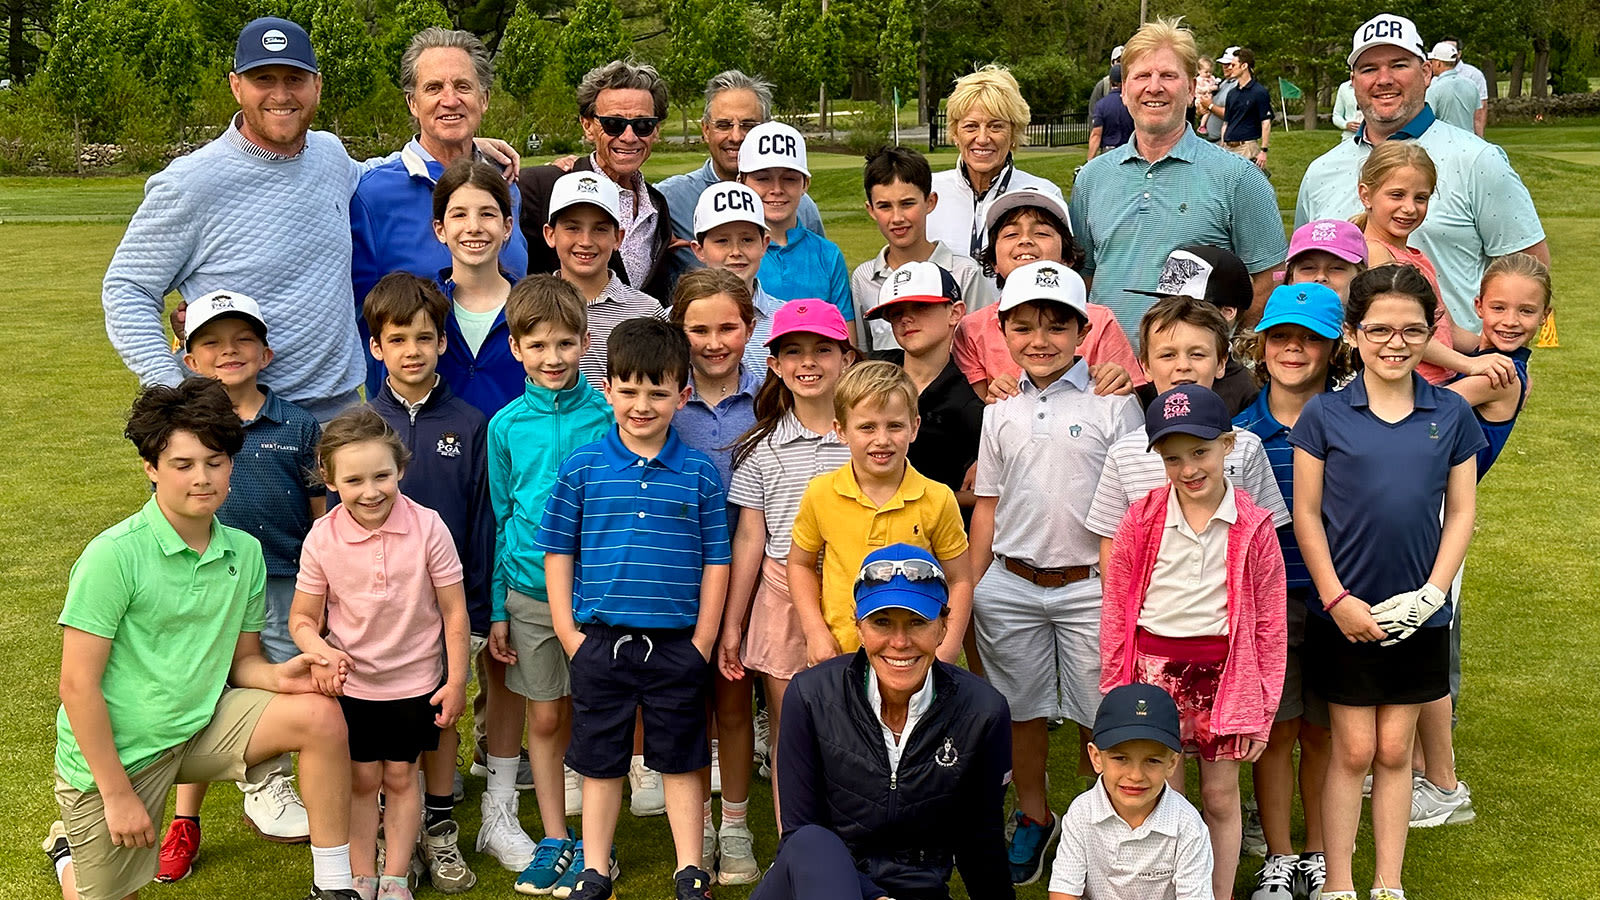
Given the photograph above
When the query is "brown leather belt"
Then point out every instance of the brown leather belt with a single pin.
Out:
(1047, 578)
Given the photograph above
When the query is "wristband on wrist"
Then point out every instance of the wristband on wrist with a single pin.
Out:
(1328, 606)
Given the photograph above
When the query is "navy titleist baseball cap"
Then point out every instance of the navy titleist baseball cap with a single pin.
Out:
(901, 576)
(1187, 409)
(271, 41)
(1137, 712)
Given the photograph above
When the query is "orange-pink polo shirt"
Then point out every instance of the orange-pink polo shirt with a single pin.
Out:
(980, 348)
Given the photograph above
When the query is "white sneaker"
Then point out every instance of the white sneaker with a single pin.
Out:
(763, 755)
(708, 850)
(502, 836)
(716, 771)
(1432, 805)
(574, 798)
(736, 856)
(1276, 879)
(273, 810)
(647, 798)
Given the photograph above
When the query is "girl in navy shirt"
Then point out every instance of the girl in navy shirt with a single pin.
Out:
(1374, 463)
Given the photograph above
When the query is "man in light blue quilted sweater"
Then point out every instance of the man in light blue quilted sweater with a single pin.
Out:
(264, 211)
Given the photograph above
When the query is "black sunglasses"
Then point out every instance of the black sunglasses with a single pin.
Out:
(644, 126)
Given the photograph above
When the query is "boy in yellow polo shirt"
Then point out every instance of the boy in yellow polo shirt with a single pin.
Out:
(876, 500)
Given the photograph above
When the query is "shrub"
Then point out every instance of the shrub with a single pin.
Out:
(1053, 84)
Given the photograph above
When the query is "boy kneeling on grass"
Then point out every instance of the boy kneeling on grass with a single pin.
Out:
(162, 677)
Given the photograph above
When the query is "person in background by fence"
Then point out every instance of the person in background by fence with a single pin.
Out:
(1110, 123)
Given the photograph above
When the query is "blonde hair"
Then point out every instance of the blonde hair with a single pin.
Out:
(875, 381)
(995, 89)
(1388, 158)
(1153, 36)
(1522, 264)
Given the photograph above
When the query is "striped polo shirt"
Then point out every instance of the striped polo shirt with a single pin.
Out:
(617, 303)
(1129, 213)
(774, 476)
(641, 530)
(1132, 471)
(1257, 418)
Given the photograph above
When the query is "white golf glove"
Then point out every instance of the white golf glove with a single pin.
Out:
(1402, 614)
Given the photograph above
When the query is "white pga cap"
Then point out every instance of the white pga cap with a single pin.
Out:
(725, 202)
(1116, 53)
(1050, 281)
(1227, 57)
(1387, 29)
(916, 282)
(1025, 196)
(221, 305)
(1444, 51)
(773, 145)
(592, 188)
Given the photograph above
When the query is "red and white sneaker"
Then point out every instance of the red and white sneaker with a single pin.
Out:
(179, 849)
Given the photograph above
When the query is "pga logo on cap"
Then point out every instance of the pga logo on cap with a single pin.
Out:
(1047, 278)
(222, 301)
(1177, 405)
(588, 186)
(274, 40)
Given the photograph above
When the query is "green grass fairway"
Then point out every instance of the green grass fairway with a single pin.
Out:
(1529, 735)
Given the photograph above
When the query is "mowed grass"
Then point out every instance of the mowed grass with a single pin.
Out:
(1529, 733)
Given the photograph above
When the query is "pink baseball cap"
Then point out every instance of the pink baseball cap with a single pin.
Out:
(811, 316)
(1342, 239)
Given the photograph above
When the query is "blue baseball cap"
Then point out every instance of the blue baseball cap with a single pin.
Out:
(271, 41)
(1137, 712)
(1187, 409)
(1314, 307)
(925, 597)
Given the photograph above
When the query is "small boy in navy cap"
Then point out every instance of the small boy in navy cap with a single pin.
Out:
(1131, 837)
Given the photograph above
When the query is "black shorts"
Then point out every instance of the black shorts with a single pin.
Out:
(390, 730)
(1416, 670)
(619, 670)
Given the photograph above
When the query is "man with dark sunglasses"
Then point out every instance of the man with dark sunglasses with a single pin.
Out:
(620, 106)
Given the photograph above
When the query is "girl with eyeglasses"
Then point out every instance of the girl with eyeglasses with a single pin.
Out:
(1374, 464)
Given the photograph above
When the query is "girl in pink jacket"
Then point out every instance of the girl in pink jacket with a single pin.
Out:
(1193, 603)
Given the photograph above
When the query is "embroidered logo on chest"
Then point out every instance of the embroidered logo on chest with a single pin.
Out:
(449, 445)
(1075, 430)
(946, 755)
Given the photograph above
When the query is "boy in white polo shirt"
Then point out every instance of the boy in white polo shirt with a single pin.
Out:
(1036, 609)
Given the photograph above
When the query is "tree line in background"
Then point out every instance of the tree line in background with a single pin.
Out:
(148, 73)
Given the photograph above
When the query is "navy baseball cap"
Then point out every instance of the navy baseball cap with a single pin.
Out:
(1187, 409)
(1314, 307)
(271, 41)
(1137, 712)
(908, 577)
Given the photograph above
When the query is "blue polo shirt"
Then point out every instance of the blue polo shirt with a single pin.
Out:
(492, 377)
(1257, 418)
(713, 428)
(809, 266)
(1383, 485)
(641, 531)
(1111, 116)
(1247, 107)
(1497, 433)
(274, 480)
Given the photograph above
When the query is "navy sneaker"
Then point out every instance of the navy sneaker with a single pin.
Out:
(691, 883)
(576, 874)
(1028, 845)
(591, 885)
(551, 860)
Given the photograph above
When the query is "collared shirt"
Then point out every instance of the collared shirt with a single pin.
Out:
(1247, 107)
(683, 192)
(1168, 857)
(952, 418)
(958, 219)
(1259, 420)
(1454, 98)
(1480, 210)
(1129, 213)
(1188, 591)
(868, 278)
(755, 349)
(638, 223)
(1475, 75)
(774, 476)
(837, 520)
(980, 346)
(274, 481)
(1111, 116)
(712, 427)
(1041, 454)
(808, 266)
(380, 588)
(1383, 484)
(641, 531)
(236, 137)
(915, 710)
(173, 617)
(1133, 470)
(617, 303)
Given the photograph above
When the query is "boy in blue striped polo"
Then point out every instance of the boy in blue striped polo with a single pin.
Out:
(635, 538)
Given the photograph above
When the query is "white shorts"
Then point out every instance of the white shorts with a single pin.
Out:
(1040, 646)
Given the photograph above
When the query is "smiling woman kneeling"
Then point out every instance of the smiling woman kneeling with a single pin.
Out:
(892, 766)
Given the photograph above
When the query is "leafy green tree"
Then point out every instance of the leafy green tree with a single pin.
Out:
(408, 18)
(897, 53)
(593, 37)
(704, 37)
(346, 56)
(806, 54)
(82, 65)
(526, 50)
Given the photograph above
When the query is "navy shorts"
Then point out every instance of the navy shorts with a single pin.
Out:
(619, 670)
(390, 730)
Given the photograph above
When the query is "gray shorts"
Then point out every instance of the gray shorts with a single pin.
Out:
(1040, 646)
(1300, 700)
(541, 670)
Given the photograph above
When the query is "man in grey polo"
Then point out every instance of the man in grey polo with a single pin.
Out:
(734, 104)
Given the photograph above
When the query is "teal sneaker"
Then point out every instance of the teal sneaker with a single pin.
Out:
(552, 858)
(1028, 845)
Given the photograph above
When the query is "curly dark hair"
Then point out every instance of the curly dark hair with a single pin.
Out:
(198, 405)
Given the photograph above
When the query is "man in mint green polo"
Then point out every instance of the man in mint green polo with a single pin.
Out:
(162, 677)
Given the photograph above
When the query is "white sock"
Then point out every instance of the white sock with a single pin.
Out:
(502, 777)
(61, 864)
(705, 812)
(330, 868)
(734, 813)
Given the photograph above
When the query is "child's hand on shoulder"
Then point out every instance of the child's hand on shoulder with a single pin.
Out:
(450, 699)
(1001, 387)
(500, 643)
(1110, 378)
(1500, 370)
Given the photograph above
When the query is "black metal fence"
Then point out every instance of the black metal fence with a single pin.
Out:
(1061, 130)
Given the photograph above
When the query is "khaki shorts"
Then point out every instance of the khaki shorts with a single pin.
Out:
(541, 671)
(109, 872)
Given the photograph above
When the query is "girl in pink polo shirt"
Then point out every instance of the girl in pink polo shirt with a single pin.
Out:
(380, 575)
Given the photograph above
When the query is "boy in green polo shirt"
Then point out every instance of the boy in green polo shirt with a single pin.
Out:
(162, 677)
